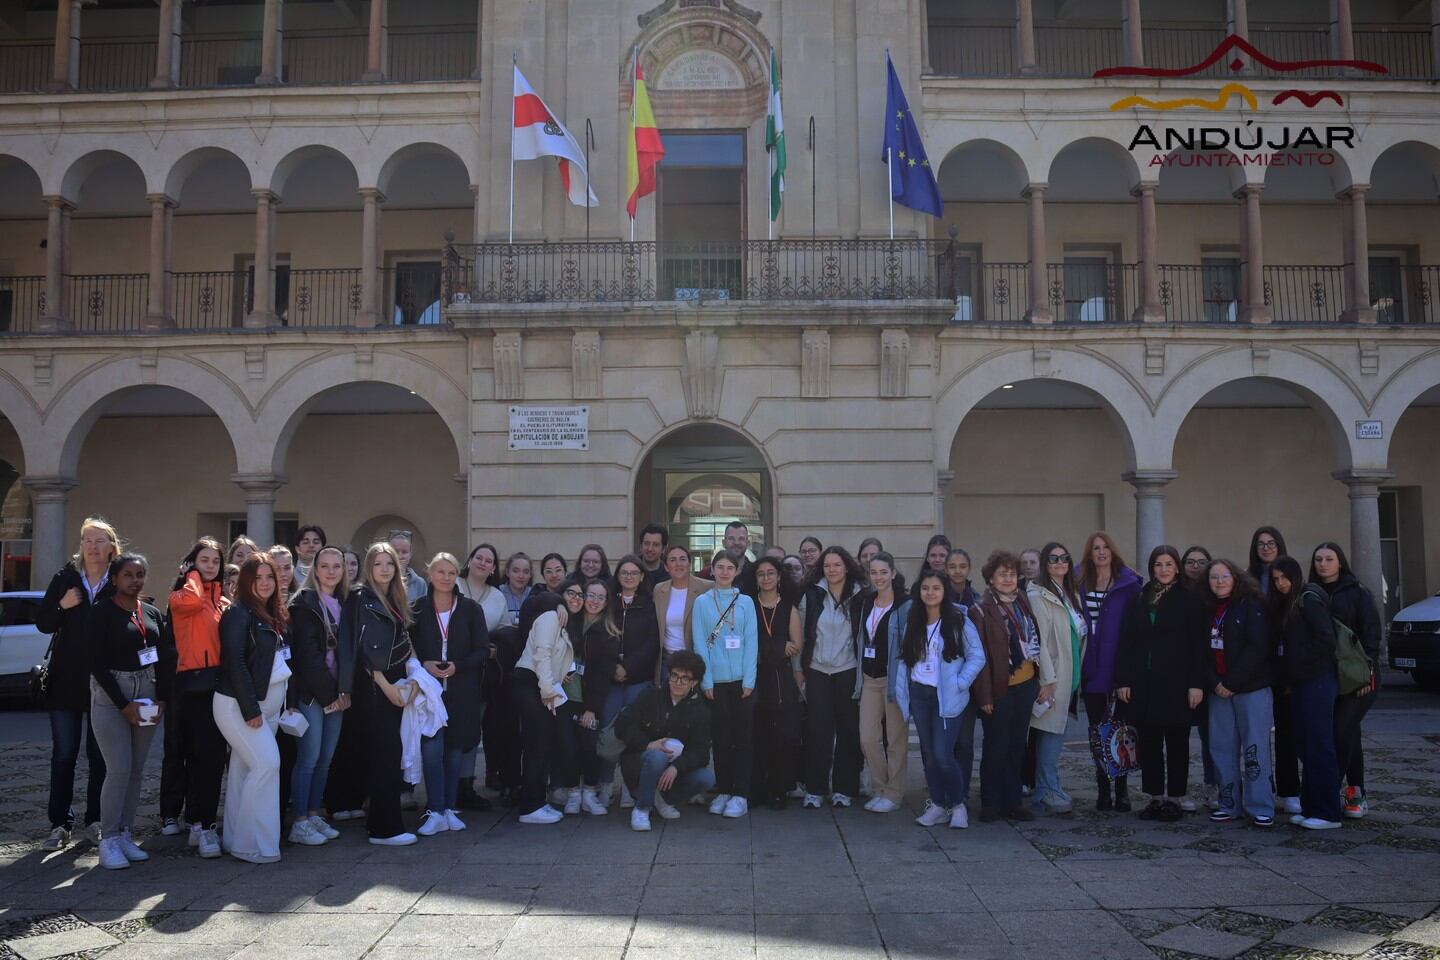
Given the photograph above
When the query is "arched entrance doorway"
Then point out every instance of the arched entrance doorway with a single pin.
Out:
(700, 478)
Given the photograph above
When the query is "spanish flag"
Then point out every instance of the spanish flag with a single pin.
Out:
(643, 148)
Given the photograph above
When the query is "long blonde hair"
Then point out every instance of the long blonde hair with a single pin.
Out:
(342, 588)
(105, 527)
(394, 596)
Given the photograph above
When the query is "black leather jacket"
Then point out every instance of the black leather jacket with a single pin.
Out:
(374, 637)
(247, 656)
(308, 640)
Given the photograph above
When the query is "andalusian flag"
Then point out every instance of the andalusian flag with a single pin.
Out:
(775, 139)
(643, 148)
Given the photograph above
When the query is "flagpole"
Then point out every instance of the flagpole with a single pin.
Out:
(589, 136)
(770, 154)
(812, 176)
(634, 67)
(514, 64)
(890, 174)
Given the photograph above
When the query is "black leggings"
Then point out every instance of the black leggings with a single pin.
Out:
(575, 756)
(1165, 759)
(1350, 709)
(537, 738)
(194, 762)
(732, 735)
(832, 735)
(1287, 760)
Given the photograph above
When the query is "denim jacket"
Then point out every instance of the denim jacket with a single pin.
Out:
(956, 675)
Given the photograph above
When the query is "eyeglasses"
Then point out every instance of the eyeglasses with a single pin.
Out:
(596, 597)
(628, 573)
(681, 678)
(574, 595)
(1058, 558)
(1197, 562)
(1220, 577)
(1266, 544)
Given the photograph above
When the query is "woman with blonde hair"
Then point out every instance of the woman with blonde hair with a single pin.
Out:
(84, 580)
(240, 550)
(375, 629)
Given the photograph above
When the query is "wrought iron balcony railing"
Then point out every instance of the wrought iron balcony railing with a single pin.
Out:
(663, 271)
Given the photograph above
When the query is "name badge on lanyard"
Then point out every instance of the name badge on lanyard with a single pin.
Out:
(1217, 639)
(148, 654)
(732, 641)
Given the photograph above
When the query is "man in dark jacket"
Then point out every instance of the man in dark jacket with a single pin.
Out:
(667, 742)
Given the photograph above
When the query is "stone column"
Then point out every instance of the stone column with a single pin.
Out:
(157, 314)
(1025, 37)
(477, 233)
(1134, 35)
(370, 286)
(272, 63)
(1039, 311)
(167, 47)
(1237, 24)
(1435, 39)
(1149, 512)
(259, 505)
(1358, 309)
(66, 73)
(49, 540)
(1149, 308)
(1342, 32)
(1364, 555)
(262, 307)
(1253, 308)
(377, 46)
(943, 479)
(57, 238)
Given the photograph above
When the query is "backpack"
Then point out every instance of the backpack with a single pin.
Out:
(1353, 665)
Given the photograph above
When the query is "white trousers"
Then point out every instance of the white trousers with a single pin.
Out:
(252, 788)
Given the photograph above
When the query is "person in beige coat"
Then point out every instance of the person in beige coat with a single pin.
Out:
(1060, 616)
(671, 610)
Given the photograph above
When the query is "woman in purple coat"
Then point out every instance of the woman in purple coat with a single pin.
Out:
(1108, 588)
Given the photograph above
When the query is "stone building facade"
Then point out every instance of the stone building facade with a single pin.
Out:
(1106, 329)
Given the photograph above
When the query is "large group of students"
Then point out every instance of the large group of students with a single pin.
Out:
(316, 685)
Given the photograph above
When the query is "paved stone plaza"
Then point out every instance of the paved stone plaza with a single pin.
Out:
(794, 884)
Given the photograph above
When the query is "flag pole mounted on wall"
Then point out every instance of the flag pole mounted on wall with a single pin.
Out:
(589, 142)
(812, 176)
(634, 69)
(514, 64)
(889, 165)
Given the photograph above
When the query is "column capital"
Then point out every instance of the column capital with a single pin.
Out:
(1144, 187)
(259, 486)
(1034, 189)
(943, 478)
(1364, 482)
(1149, 483)
(265, 195)
(57, 200)
(1354, 191)
(162, 199)
(1249, 190)
(48, 489)
(372, 193)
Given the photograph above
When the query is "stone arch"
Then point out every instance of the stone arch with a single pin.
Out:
(724, 42)
(1120, 397)
(995, 151)
(21, 189)
(1336, 174)
(82, 167)
(1167, 172)
(20, 409)
(1112, 148)
(1328, 391)
(285, 405)
(72, 414)
(1429, 156)
(182, 168)
(397, 159)
(292, 161)
(670, 430)
(1404, 387)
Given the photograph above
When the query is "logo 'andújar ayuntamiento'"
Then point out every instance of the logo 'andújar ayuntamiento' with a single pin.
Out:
(1285, 145)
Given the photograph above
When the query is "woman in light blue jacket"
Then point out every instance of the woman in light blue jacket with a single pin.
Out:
(724, 632)
(935, 655)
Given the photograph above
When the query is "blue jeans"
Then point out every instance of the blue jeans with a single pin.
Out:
(965, 746)
(1312, 706)
(937, 746)
(621, 696)
(313, 753)
(1047, 770)
(442, 773)
(1240, 747)
(66, 726)
(642, 773)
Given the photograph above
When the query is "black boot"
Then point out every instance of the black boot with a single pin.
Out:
(1122, 795)
(468, 799)
(1102, 792)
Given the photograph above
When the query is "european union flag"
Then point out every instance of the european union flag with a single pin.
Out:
(912, 182)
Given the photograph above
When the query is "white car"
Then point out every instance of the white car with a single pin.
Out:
(1415, 642)
(22, 645)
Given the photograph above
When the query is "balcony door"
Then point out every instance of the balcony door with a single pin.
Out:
(701, 224)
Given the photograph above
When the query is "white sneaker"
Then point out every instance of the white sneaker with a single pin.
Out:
(717, 806)
(92, 833)
(699, 800)
(453, 821)
(811, 801)
(542, 814)
(340, 816)
(572, 802)
(627, 802)
(1297, 820)
(209, 844)
(1187, 805)
(318, 824)
(1291, 804)
(1315, 823)
(959, 817)
(59, 839)
(882, 805)
(194, 839)
(399, 840)
(640, 820)
(301, 832)
(666, 810)
(171, 827)
(590, 803)
(839, 800)
(432, 824)
(932, 816)
(737, 807)
(131, 849)
(111, 856)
